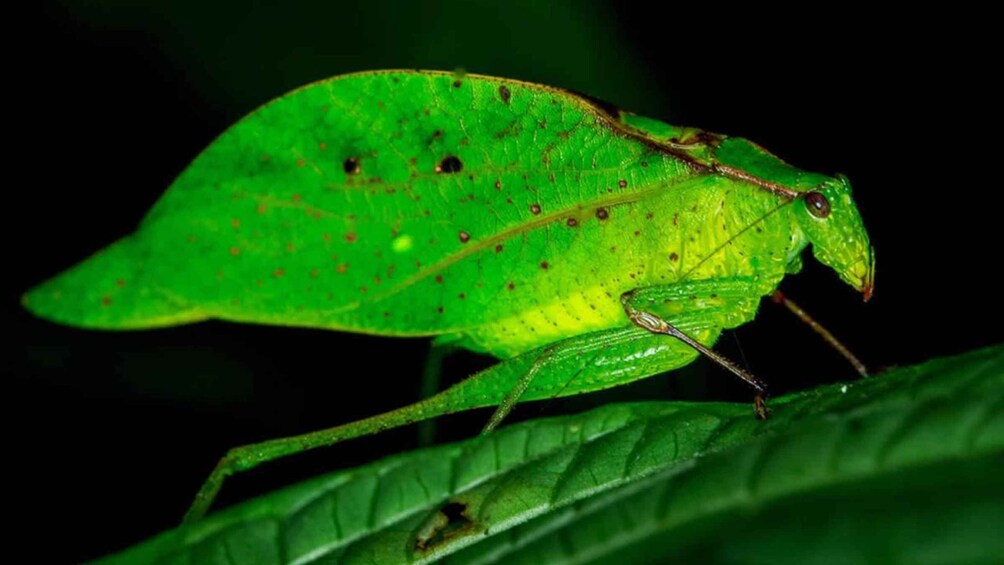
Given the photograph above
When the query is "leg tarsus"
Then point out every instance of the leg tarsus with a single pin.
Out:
(760, 406)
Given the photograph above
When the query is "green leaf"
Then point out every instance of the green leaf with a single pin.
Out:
(903, 467)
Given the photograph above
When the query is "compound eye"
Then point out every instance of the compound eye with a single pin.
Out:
(817, 204)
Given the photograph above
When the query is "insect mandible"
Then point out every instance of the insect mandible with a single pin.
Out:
(560, 235)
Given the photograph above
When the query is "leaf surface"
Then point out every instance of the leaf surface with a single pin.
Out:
(900, 467)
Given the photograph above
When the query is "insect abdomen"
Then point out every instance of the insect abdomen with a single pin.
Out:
(111, 290)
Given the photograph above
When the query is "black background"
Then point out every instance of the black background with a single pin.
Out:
(109, 434)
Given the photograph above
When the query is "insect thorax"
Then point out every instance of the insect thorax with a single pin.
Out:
(707, 229)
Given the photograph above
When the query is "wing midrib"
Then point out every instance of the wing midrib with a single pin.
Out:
(500, 237)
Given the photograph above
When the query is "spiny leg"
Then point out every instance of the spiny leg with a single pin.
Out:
(779, 298)
(733, 302)
(600, 360)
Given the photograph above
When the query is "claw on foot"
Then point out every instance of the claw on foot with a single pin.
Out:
(760, 407)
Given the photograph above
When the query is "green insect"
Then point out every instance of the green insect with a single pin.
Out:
(564, 237)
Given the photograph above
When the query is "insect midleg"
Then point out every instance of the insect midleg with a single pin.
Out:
(599, 360)
(730, 302)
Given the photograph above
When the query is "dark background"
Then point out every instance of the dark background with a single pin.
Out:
(109, 434)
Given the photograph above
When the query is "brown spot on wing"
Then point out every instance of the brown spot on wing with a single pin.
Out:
(449, 164)
(351, 166)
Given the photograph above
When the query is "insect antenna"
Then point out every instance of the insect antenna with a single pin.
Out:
(739, 346)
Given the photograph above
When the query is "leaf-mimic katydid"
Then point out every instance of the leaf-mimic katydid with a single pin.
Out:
(558, 234)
